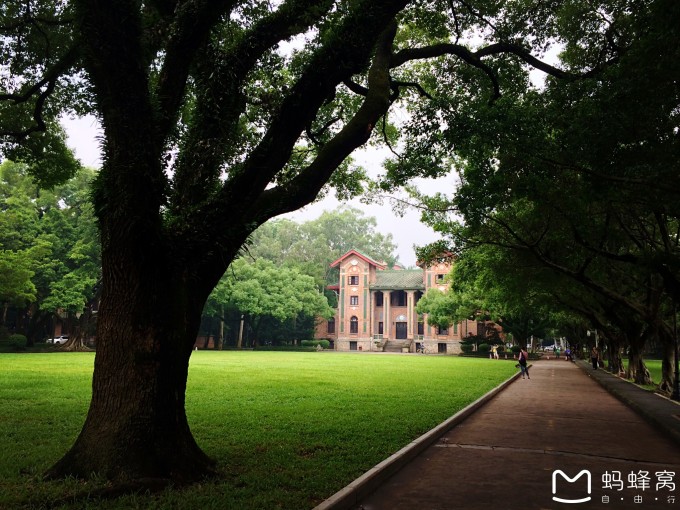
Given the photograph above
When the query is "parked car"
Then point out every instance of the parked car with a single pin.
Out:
(57, 340)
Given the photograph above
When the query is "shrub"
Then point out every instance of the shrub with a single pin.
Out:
(515, 349)
(483, 348)
(16, 342)
(466, 348)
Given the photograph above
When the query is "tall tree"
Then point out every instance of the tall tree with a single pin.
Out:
(50, 248)
(261, 290)
(209, 131)
(16, 287)
(313, 245)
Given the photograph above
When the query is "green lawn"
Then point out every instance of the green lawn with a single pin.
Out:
(287, 429)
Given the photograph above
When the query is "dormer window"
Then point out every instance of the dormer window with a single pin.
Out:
(353, 280)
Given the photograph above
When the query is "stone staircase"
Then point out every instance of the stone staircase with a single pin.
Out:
(396, 345)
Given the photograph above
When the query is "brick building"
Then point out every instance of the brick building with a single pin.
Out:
(376, 308)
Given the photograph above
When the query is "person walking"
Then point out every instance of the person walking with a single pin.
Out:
(523, 357)
(494, 352)
(594, 357)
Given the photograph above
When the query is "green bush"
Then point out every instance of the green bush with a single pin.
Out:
(515, 349)
(466, 348)
(15, 342)
(483, 348)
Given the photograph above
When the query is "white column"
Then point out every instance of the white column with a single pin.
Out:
(386, 314)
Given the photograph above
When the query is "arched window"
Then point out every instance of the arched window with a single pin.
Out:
(354, 325)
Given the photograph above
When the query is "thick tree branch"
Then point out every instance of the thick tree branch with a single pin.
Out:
(438, 50)
(193, 22)
(526, 56)
(475, 59)
(332, 64)
(220, 75)
(304, 188)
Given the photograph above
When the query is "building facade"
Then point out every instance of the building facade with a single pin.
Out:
(377, 308)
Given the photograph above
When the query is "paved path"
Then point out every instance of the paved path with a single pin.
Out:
(505, 455)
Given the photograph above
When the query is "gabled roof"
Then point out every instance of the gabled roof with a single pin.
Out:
(398, 279)
(358, 254)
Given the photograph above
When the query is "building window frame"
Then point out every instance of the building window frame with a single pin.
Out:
(398, 298)
(354, 325)
(353, 280)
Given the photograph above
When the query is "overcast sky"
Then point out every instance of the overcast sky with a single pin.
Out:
(406, 231)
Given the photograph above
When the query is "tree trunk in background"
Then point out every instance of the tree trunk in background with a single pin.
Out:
(668, 367)
(637, 370)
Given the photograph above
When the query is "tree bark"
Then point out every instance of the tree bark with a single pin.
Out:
(667, 366)
(637, 370)
(136, 427)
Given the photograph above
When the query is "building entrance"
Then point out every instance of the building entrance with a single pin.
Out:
(401, 331)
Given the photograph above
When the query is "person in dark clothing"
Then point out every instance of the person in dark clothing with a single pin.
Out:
(594, 357)
(523, 357)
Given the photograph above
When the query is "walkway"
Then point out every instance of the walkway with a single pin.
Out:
(507, 453)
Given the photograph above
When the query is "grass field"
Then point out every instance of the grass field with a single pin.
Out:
(287, 429)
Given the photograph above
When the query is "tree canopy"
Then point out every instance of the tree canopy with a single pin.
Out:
(219, 115)
(49, 251)
(313, 245)
(261, 291)
(572, 189)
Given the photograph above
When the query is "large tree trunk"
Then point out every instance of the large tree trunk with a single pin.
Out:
(136, 427)
(666, 384)
(149, 316)
(637, 370)
(78, 334)
(614, 359)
